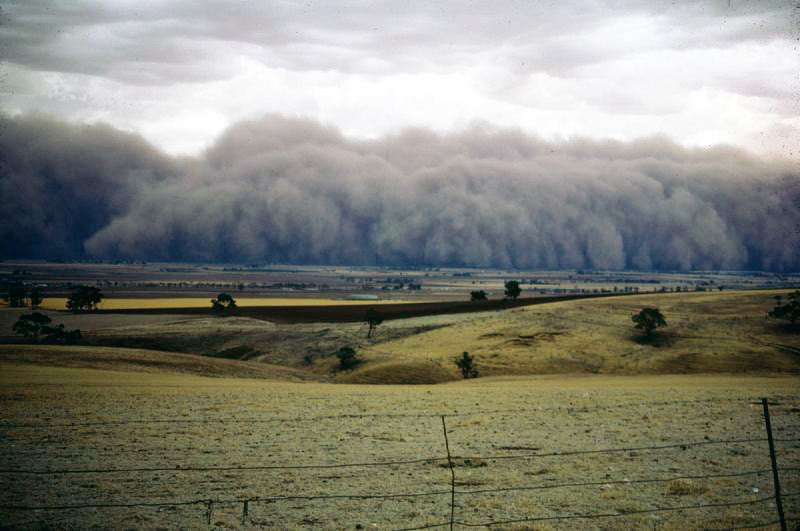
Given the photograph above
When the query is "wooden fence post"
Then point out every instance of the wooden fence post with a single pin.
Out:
(774, 465)
(452, 476)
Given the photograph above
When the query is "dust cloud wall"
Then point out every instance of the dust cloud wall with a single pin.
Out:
(292, 190)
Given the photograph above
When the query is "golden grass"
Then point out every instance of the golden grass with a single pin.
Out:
(398, 373)
(219, 422)
(706, 332)
(141, 360)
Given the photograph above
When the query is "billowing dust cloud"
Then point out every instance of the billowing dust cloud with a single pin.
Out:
(294, 191)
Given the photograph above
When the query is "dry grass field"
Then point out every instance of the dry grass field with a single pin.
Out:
(114, 439)
(711, 332)
(706, 332)
(573, 416)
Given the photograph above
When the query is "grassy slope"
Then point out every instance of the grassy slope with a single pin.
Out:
(706, 333)
(140, 360)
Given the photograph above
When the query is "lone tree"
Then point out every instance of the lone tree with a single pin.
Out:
(32, 325)
(36, 296)
(16, 295)
(373, 319)
(347, 358)
(223, 302)
(648, 319)
(84, 298)
(512, 289)
(479, 295)
(789, 311)
(467, 365)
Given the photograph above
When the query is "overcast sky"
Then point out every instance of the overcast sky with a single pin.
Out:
(180, 72)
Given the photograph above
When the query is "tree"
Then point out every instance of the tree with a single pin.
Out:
(37, 326)
(347, 358)
(648, 319)
(223, 302)
(84, 298)
(16, 295)
(512, 289)
(467, 365)
(789, 311)
(479, 295)
(373, 318)
(31, 325)
(36, 296)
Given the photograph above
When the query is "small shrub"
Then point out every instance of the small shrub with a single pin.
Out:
(36, 326)
(789, 311)
(347, 358)
(223, 302)
(512, 289)
(479, 295)
(57, 335)
(467, 365)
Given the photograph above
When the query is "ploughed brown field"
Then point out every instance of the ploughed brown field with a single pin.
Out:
(349, 311)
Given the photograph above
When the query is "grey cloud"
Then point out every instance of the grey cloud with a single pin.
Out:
(289, 190)
(115, 41)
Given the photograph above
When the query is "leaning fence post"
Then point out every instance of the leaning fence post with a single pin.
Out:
(209, 510)
(452, 476)
(245, 511)
(774, 465)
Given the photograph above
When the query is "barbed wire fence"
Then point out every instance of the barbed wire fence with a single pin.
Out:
(245, 505)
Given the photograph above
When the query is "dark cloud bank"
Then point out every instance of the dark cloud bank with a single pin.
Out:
(288, 190)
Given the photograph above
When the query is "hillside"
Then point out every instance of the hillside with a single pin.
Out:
(708, 332)
(140, 360)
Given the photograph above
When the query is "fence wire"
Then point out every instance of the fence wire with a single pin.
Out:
(209, 503)
(317, 418)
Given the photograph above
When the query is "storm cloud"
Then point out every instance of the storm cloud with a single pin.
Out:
(292, 190)
(703, 72)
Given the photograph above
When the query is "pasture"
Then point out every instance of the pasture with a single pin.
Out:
(144, 449)
(167, 415)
